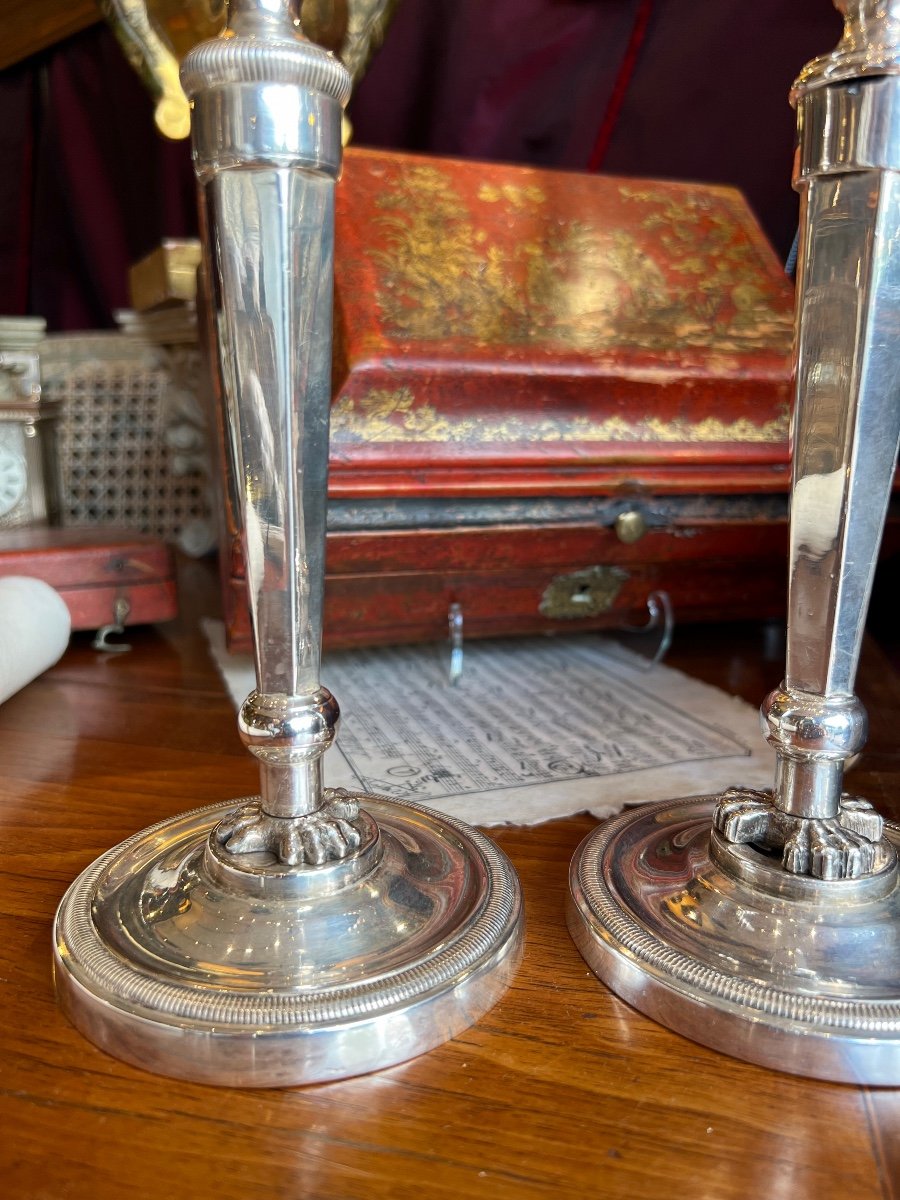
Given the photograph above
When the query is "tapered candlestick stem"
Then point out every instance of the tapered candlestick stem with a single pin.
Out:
(266, 160)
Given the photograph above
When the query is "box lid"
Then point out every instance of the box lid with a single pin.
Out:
(85, 557)
(506, 330)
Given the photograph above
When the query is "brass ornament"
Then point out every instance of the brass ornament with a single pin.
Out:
(157, 34)
(586, 593)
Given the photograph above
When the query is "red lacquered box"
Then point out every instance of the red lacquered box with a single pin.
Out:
(554, 394)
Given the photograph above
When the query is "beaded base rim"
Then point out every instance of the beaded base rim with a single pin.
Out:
(597, 905)
(81, 953)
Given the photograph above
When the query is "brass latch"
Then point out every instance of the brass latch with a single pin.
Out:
(630, 526)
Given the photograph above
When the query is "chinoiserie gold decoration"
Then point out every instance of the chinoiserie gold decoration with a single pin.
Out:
(156, 35)
(392, 415)
(570, 285)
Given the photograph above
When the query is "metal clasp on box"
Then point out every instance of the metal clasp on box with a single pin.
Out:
(116, 627)
(593, 591)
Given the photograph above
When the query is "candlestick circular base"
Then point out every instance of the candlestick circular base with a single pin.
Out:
(807, 981)
(164, 959)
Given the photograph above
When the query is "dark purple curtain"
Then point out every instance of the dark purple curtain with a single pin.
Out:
(96, 186)
(633, 87)
(17, 105)
(532, 81)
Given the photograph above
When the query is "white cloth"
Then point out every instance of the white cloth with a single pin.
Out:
(34, 631)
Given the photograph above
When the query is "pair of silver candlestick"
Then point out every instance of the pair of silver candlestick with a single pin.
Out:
(309, 934)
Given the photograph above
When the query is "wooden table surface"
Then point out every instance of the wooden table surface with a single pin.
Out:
(562, 1090)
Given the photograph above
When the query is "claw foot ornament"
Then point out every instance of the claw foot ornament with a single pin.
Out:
(842, 847)
(326, 835)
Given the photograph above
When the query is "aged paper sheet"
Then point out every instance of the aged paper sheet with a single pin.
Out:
(536, 728)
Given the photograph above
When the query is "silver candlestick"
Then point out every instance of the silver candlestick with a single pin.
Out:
(306, 934)
(767, 924)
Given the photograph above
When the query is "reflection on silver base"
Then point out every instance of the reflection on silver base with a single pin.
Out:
(802, 979)
(164, 958)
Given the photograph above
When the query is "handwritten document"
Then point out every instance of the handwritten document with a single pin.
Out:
(536, 728)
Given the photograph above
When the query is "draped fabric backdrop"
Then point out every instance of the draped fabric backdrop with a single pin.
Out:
(94, 186)
(632, 87)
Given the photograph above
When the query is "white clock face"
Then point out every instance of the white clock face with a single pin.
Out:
(13, 480)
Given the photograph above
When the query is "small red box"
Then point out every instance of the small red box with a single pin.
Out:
(94, 568)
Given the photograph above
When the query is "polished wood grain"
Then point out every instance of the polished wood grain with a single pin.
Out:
(561, 1090)
(28, 26)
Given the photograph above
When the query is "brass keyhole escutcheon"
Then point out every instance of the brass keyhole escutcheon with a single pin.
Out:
(586, 593)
